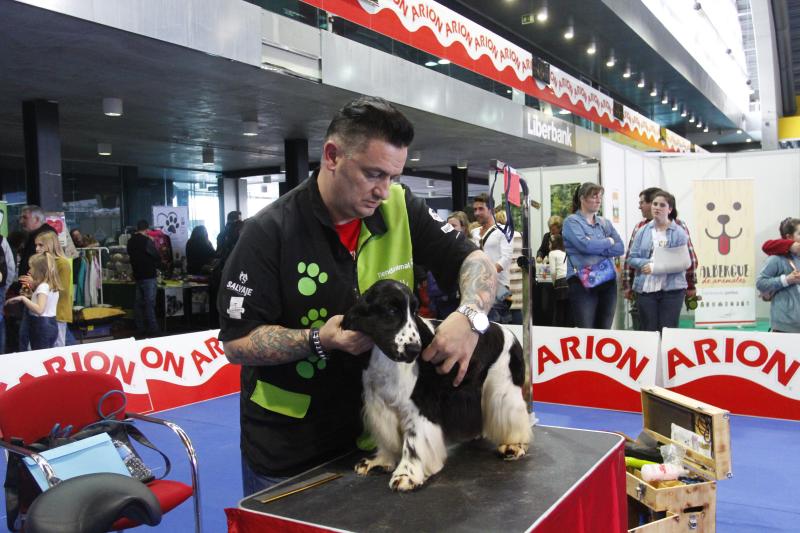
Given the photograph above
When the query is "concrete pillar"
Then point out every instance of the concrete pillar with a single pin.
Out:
(42, 155)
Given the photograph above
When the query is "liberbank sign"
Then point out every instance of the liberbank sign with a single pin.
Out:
(549, 130)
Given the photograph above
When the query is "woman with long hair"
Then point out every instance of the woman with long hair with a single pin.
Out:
(199, 252)
(48, 242)
(659, 291)
(590, 242)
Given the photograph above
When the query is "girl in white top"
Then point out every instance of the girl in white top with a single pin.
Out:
(42, 303)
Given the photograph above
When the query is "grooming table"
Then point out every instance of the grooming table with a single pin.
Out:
(570, 481)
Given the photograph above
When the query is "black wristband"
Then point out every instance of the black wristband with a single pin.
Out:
(315, 344)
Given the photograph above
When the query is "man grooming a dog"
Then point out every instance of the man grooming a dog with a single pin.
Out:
(303, 261)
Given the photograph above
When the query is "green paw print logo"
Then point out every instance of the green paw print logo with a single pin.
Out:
(314, 318)
(307, 284)
(307, 368)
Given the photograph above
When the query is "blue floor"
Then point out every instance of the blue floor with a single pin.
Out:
(761, 497)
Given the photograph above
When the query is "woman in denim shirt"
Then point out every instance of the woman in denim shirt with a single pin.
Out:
(659, 296)
(780, 279)
(589, 239)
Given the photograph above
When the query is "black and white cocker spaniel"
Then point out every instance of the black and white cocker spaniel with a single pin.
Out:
(412, 411)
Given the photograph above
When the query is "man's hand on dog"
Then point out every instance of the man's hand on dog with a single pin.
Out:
(453, 344)
(333, 337)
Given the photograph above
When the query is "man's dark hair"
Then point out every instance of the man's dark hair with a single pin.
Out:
(482, 197)
(367, 118)
(142, 225)
(648, 193)
(670, 201)
(233, 216)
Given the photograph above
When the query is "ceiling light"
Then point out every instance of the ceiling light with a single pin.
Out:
(431, 63)
(415, 156)
(541, 16)
(103, 148)
(739, 132)
(664, 99)
(627, 73)
(208, 155)
(654, 91)
(249, 128)
(611, 61)
(569, 33)
(430, 184)
(592, 49)
(684, 112)
(699, 124)
(691, 119)
(462, 164)
(705, 130)
(641, 83)
(444, 61)
(674, 105)
(748, 140)
(112, 107)
(564, 112)
(714, 143)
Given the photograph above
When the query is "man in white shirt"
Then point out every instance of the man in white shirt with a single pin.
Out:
(492, 241)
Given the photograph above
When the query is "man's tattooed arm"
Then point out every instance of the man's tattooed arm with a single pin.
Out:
(477, 281)
(268, 345)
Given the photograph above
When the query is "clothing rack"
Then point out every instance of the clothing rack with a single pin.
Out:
(99, 249)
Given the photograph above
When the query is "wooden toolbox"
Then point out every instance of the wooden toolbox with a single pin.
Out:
(688, 507)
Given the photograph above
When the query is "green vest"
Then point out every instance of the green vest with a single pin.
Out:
(387, 255)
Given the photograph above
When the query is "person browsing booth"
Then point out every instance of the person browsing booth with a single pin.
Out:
(301, 263)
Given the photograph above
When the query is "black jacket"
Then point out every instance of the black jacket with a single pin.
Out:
(144, 257)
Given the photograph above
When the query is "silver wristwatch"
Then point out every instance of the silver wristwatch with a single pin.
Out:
(478, 320)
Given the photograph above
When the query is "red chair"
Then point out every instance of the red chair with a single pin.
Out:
(31, 409)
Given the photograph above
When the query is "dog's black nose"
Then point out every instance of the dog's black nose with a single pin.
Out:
(723, 219)
(413, 350)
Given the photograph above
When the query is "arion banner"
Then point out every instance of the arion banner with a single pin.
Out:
(156, 374)
(724, 240)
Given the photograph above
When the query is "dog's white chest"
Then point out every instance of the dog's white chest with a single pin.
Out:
(389, 380)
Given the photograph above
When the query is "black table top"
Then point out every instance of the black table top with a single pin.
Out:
(475, 491)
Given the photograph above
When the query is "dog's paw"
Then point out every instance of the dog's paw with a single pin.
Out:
(512, 452)
(404, 483)
(365, 466)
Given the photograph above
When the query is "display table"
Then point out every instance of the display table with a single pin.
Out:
(170, 316)
(570, 481)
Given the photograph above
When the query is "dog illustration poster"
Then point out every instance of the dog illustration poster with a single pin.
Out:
(174, 223)
(724, 239)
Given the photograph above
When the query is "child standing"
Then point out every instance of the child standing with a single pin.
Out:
(42, 303)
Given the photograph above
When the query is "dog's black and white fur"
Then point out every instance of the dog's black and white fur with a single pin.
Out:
(411, 411)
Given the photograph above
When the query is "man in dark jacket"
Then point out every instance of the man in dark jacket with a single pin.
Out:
(144, 262)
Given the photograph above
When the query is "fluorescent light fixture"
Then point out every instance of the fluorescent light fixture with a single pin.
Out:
(112, 107)
(431, 63)
(564, 112)
(592, 49)
(444, 61)
(714, 143)
(569, 33)
(104, 149)
(249, 128)
(748, 140)
(739, 132)
(415, 156)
